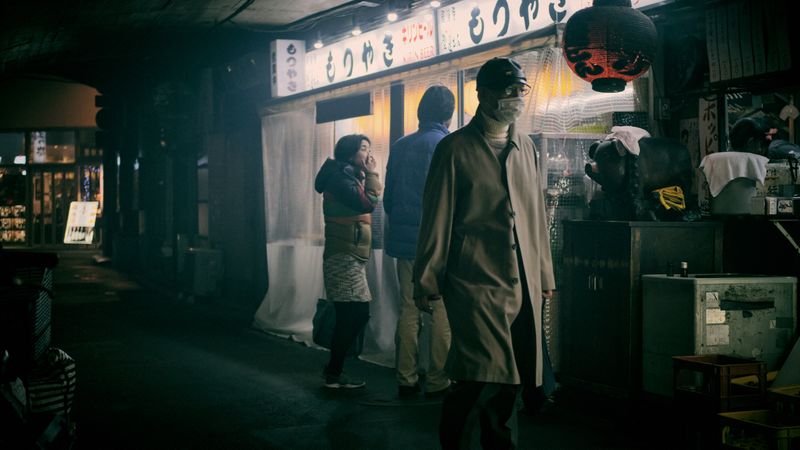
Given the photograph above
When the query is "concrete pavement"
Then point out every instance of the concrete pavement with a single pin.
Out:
(156, 373)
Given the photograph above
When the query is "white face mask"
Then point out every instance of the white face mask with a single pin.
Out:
(509, 109)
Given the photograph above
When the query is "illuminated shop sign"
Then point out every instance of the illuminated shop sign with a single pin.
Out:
(470, 23)
(460, 25)
(287, 67)
(467, 24)
(394, 45)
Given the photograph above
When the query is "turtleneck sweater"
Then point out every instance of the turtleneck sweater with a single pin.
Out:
(496, 133)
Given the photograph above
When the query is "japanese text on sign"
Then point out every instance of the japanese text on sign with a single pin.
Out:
(708, 127)
(460, 26)
(80, 222)
(402, 43)
(287, 67)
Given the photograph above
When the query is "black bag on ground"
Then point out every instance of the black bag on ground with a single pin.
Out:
(324, 322)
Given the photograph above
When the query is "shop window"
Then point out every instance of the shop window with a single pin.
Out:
(470, 94)
(91, 183)
(54, 189)
(776, 111)
(413, 91)
(87, 145)
(377, 127)
(12, 148)
(12, 204)
(52, 147)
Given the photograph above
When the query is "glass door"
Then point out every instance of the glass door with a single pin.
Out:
(53, 190)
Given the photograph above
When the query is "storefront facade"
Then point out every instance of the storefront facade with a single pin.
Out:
(41, 173)
(49, 159)
(563, 117)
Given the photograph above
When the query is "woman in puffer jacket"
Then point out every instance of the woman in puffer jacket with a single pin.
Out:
(350, 189)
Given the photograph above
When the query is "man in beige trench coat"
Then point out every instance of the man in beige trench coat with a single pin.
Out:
(484, 247)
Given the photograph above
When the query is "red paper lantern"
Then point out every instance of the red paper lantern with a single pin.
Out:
(609, 44)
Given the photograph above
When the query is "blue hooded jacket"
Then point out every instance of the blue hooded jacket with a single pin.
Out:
(409, 160)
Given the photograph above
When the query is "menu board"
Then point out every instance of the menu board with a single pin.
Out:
(80, 222)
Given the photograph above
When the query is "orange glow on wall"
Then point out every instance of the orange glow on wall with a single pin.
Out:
(470, 100)
(48, 103)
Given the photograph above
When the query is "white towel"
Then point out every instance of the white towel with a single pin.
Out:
(721, 168)
(629, 137)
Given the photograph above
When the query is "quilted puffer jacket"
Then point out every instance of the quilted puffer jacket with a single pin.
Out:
(349, 196)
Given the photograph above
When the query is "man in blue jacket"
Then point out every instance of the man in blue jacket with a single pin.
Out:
(409, 159)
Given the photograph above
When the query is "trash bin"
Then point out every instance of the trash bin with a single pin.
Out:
(204, 269)
(26, 291)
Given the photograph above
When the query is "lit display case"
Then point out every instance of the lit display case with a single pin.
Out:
(12, 205)
(12, 223)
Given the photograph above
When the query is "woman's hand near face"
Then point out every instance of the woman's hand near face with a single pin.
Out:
(369, 163)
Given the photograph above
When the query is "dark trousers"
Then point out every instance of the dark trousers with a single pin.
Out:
(351, 317)
(492, 405)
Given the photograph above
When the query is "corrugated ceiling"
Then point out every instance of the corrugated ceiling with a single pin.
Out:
(52, 34)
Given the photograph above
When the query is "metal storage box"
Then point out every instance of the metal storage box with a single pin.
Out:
(735, 197)
(601, 311)
(726, 314)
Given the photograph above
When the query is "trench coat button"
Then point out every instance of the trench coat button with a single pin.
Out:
(514, 280)
(513, 246)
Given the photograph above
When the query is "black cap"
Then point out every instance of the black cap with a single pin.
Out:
(500, 73)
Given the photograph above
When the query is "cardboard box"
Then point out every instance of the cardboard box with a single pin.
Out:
(777, 182)
(758, 206)
(759, 429)
(785, 206)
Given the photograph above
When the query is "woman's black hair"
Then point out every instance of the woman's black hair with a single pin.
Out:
(348, 146)
(748, 134)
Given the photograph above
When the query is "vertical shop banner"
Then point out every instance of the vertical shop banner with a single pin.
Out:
(80, 222)
(708, 137)
(392, 46)
(287, 67)
(708, 128)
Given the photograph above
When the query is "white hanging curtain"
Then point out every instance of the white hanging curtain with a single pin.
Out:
(294, 148)
(381, 273)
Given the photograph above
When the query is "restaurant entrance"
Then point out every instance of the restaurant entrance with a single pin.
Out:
(53, 188)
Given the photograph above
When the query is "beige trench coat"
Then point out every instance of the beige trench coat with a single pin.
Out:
(467, 250)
